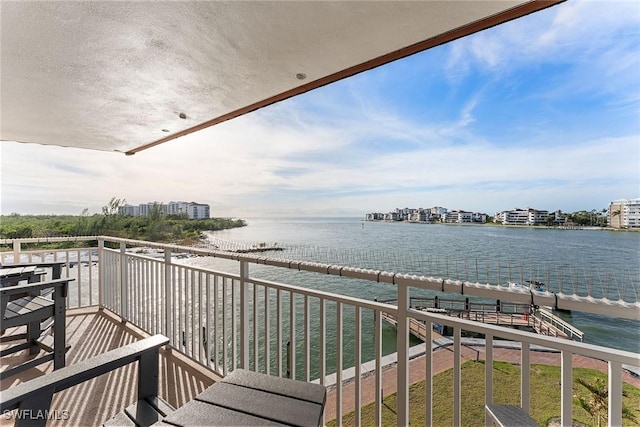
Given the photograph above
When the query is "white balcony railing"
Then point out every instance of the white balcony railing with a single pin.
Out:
(225, 320)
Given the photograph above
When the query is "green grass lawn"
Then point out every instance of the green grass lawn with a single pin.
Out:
(545, 396)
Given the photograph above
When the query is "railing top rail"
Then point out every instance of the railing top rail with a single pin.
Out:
(373, 305)
(558, 300)
(49, 239)
(622, 309)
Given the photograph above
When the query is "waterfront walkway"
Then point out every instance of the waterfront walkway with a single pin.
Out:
(443, 360)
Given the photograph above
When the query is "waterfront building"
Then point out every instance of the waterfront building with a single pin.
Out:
(428, 215)
(522, 217)
(191, 210)
(537, 217)
(374, 216)
(144, 209)
(404, 214)
(391, 216)
(624, 213)
(457, 217)
(479, 217)
(418, 216)
(437, 210)
(129, 210)
(559, 218)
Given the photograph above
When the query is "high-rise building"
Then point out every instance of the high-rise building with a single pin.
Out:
(191, 210)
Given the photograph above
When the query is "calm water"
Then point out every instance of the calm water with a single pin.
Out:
(592, 261)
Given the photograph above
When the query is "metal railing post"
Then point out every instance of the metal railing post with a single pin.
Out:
(615, 391)
(488, 375)
(102, 271)
(402, 405)
(525, 375)
(244, 315)
(17, 248)
(566, 400)
(124, 300)
(168, 297)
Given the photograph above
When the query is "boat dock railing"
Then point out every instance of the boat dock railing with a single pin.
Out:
(468, 305)
(500, 313)
(546, 317)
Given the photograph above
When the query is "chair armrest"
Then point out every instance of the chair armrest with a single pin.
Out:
(55, 266)
(30, 287)
(61, 379)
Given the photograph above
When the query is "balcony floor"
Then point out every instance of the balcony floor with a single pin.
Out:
(91, 332)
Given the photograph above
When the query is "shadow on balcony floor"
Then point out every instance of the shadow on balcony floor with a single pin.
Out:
(91, 332)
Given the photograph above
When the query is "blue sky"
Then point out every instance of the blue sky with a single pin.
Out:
(542, 112)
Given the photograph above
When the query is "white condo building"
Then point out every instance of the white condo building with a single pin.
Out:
(457, 217)
(624, 213)
(191, 210)
(129, 210)
(522, 217)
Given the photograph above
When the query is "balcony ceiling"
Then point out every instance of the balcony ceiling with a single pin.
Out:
(125, 76)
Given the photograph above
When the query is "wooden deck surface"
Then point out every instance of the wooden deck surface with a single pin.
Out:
(91, 332)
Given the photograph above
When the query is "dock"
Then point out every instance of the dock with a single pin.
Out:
(507, 314)
(239, 247)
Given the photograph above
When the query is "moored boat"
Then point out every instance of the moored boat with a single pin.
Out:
(533, 285)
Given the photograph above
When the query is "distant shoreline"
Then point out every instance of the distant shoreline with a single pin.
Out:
(493, 224)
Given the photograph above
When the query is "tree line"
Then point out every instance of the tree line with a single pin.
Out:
(156, 227)
(593, 217)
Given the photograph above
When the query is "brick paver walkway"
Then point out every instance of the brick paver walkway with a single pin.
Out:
(443, 360)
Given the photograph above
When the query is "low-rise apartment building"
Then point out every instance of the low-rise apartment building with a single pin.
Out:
(522, 217)
(458, 217)
(624, 213)
(430, 215)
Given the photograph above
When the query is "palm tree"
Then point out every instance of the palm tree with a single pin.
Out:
(597, 403)
(616, 213)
